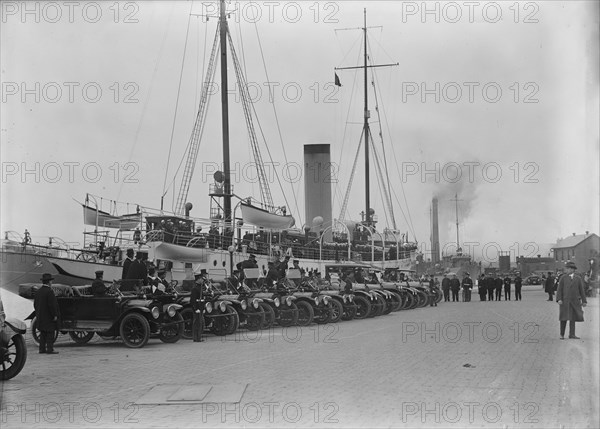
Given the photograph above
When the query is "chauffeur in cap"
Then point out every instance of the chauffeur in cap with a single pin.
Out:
(518, 284)
(198, 306)
(571, 298)
(98, 286)
(467, 285)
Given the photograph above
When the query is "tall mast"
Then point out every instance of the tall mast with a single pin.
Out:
(368, 220)
(225, 115)
(456, 201)
(366, 130)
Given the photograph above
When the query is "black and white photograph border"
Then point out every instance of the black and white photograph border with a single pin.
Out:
(395, 149)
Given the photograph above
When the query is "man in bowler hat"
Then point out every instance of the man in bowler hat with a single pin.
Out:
(46, 313)
(571, 298)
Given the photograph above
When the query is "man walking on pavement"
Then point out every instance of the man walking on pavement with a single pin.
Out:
(46, 314)
(571, 298)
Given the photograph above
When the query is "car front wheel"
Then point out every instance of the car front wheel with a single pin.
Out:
(135, 330)
(337, 310)
(172, 333)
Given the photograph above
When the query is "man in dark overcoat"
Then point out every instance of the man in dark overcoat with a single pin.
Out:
(549, 286)
(454, 287)
(47, 314)
(518, 284)
(570, 296)
(498, 283)
(491, 286)
(507, 282)
(446, 288)
(127, 263)
(432, 291)
(137, 272)
(482, 287)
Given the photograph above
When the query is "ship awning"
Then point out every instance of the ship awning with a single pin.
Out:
(265, 219)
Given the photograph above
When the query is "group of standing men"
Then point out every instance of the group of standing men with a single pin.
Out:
(454, 285)
(492, 285)
(488, 287)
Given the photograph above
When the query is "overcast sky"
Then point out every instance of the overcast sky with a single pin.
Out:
(497, 102)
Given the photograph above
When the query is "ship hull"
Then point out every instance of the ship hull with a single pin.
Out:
(83, 272)
(22, 267)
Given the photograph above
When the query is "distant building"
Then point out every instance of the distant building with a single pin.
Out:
(539, 265)
(579, 249)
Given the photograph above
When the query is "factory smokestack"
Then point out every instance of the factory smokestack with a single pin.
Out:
(435, 232)
(317, 188)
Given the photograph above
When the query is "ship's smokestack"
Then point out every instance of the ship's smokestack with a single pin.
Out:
(435, 232)
(317, 188)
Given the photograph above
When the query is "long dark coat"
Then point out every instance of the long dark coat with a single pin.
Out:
(138, 271)
(570, 292)
(126, 264)
(46, 309)
(549, 285)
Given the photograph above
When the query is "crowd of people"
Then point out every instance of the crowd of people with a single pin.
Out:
(489, 287)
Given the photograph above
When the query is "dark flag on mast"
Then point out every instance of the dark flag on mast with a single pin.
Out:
(337, 80)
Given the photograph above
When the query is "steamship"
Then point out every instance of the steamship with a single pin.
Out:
(238, 226)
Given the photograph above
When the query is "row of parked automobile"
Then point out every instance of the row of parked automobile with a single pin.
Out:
(135, 317)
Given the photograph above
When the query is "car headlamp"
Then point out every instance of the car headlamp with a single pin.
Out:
(222, 307)
(316, 299)
(288, 301)
(244, 304)
(171, 311)
(208, 307)
(326, 300)
(155, 312)
(276, 302)
(255, 303)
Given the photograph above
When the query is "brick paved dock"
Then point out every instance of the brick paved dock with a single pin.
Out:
(477, 364)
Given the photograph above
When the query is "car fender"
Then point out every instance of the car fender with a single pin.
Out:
(171, 304)
(16, 325)
(363, 293)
